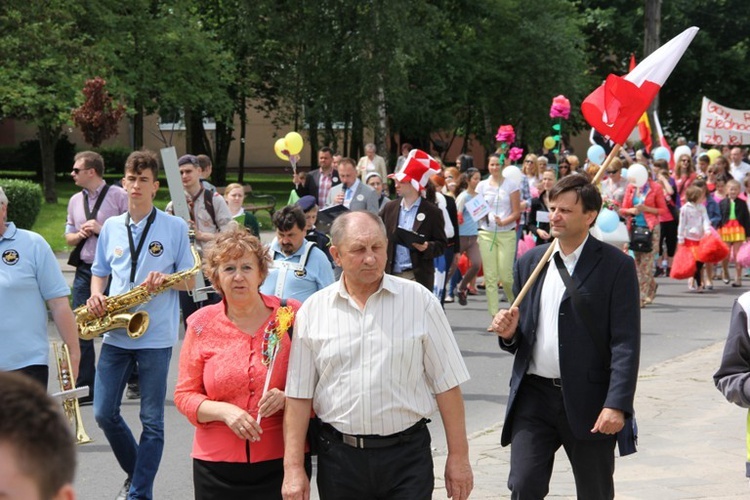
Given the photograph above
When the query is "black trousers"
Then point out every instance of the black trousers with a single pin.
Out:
(540, 427)
(403, 471)
(240, 481)
(40, 373)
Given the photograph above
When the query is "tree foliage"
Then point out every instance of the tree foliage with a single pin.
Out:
(337, 69)
(43, 63)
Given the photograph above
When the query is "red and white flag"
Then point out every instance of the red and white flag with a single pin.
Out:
(663, 140)
(615, 107)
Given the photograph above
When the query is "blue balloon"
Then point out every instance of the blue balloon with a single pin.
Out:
(607, 220)
(624, 172)
(660, 153)
(596, 154)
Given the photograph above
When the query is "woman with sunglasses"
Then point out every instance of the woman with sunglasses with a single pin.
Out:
(563, 168)
(613, 187)
(533, 175)
(642, 206)
(684, 176)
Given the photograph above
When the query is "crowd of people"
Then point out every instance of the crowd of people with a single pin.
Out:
(351, 254)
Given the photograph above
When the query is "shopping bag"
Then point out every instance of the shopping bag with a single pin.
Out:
(711, 249)
(683, 264)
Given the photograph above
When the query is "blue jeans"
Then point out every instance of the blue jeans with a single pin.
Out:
(87, 366)
(139, 460)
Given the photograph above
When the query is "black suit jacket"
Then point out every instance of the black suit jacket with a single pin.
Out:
(312, 183)
(606, 280)
(431, 226)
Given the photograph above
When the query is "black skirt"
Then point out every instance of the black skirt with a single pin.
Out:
(240, 481)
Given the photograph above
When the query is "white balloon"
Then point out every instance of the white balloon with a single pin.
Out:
(513, 173)
(637, 174)
(681, 150)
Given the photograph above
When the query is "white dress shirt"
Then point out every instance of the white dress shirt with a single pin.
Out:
(545, 359)
(373, 371)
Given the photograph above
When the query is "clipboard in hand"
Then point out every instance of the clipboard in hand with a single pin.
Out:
(406, 237)
(326, 217)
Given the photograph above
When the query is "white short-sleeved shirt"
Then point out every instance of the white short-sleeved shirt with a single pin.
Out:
(373, 371)
(498, 199)
(166, 250)
(29, 276)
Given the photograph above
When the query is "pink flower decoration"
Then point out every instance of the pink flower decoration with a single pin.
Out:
(506, 134)
(560, 108)
(515, 154)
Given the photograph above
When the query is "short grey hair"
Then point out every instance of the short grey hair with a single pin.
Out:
(3, 197)
(340, 226)
(371, 147)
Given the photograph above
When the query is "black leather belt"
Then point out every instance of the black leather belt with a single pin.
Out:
(374, 441)
(556, 382)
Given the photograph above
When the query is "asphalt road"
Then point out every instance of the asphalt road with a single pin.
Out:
(677, 323)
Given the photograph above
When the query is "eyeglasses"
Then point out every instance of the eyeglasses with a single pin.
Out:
(564, 166)
(612, 171)
(78, 170)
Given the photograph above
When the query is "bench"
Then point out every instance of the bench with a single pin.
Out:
(254, 201)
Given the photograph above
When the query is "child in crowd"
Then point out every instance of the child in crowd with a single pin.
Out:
(694, 222)
(734, 228)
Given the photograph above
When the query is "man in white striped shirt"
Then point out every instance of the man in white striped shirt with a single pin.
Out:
(372, 354)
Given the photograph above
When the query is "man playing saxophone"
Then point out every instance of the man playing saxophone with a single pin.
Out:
(143, 246)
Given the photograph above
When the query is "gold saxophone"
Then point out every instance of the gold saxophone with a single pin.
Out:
(116, 316)
(70, 405)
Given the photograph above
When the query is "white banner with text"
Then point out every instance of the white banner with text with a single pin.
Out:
(722, 126)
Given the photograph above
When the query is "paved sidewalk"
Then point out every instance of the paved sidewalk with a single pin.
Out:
(691, 442)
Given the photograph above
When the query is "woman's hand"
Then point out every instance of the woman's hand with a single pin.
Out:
(241, 423)
(541, 233)
(272, 401)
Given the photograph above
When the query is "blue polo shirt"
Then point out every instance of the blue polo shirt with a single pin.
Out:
(29, 276)
(166, 250)
(299, 285)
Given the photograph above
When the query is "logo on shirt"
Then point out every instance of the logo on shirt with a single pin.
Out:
(118, 252)
(10, 257)
(300, 273)
(155, 248)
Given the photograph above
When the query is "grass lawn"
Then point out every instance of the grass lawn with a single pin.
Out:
(51, 221)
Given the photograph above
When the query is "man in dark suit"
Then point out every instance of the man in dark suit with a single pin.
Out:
(571, 386)
(352, 193)
(411, 211)
(319, 182)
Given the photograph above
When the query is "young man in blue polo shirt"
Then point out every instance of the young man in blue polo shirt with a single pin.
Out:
(142, 246)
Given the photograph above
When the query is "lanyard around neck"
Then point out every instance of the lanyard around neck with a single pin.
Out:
(136, 252)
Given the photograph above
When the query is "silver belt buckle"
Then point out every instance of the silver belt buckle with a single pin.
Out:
(353, 441)
(557, 382)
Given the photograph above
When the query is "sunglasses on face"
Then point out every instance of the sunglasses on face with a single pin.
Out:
(78, 170)
(564, 166)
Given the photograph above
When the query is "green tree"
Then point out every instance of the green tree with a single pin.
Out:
(44, 54)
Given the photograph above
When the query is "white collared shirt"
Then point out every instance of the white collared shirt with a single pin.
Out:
(545, 359)
(373, 370)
